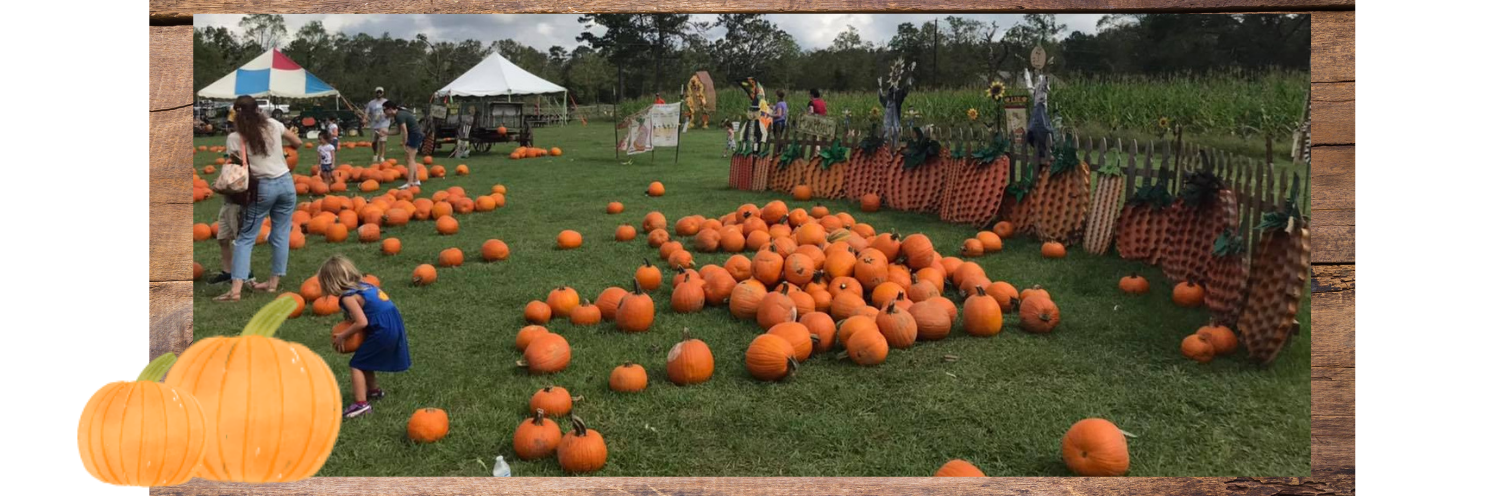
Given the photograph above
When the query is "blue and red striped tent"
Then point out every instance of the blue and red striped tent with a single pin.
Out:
(270, 74)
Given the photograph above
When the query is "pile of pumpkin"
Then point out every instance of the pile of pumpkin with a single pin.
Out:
(817, 281)
(334, 217)
(533, 152)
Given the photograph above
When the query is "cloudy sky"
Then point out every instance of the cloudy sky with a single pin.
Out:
(542, 31)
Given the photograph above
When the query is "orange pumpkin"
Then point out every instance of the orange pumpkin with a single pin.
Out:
(326, 305)
(1039, 315)
(770, 358)
(1094, 447)
(990, 240)
(933, 322)
(238, 391)
(958, 468)
(569, 239)
(614, 208)
(1053, 249)
(351, 343)
(802, 192)
(493, 250)
(636, 311)
(1187, 295)
(562, 301)
(1004, 229)
(556, 152)
(424, 274)
(821, 325)
(554, 401)
(689, 361)
(156, 440)
(656, 189)
(648, 276)
(609, 301)
(1004, 294)
(585, 314)
(982, 315)
(452, 257)
(447, 224)
(688, 297)
(582, 449)
(627, 378)
(745, 299)
(427, 425)
(1134, 284)
(547, 353)
(301, 303)
(867, 348)
(625, 232)
(869, 203)
(1198, 347)
(536, 437)
(527, 334)
(537, 312)
(898, 326)
(1221, 337)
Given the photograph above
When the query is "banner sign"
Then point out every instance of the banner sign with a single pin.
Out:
(637, 128)
(665, 119)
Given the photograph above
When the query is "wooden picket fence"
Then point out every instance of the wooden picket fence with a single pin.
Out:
(1258, 186)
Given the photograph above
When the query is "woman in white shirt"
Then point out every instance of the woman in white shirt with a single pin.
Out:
(272, 193)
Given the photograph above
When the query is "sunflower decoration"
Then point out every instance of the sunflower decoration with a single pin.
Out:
(996, 91)
(1162, 122)
(875, 113)
(973, 114)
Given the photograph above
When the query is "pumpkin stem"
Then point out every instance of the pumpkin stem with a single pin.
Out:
(685, 334)
(979, 290)
(539, 416)
(269, 318)
(579, 428)
(791, 363)
(636, 285)
(157, 368)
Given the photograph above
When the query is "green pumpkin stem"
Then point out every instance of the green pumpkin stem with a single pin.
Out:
(269, 318)
(157, 368)
(579, 428)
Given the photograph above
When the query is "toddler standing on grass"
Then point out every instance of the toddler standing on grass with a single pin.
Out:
(325, 157)
(371, 312)
(729, 145)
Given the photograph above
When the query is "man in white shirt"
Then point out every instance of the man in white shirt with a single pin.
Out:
(378, 124)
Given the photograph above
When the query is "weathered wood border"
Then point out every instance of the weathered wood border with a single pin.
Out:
(1332, 328)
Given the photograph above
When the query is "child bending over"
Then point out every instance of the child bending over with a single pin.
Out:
(371, 312)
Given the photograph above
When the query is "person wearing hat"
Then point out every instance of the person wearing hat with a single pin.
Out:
(376, 120)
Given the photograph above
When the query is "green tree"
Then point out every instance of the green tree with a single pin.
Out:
(264, 30)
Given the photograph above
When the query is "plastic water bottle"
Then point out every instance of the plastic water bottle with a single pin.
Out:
(501, 468)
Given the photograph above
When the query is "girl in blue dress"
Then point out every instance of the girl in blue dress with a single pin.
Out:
(371, 312)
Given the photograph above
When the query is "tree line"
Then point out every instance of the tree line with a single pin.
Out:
(658, 52)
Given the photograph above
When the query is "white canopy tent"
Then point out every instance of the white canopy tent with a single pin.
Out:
(496, 76)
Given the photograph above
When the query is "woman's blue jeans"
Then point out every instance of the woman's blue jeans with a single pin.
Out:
(278, 199)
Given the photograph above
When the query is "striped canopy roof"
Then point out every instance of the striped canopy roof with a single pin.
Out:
(270, 74)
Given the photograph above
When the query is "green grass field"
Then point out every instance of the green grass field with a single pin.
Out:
(1003, 405)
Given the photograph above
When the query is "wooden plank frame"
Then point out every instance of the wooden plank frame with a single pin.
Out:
(1331, 188)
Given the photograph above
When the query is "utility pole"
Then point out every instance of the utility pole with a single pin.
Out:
(935, 51)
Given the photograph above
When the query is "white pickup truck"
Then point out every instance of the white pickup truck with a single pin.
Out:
(275, 111)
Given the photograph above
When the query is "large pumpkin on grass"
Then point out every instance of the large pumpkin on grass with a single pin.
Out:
(553, 400)
(259, 392)
(867, 347)
(547, 353)
(648, 276)
(569, 239)
(562, 300)
(609, 301)
(582, 449)
(143, 433)
(897, 325)
(821, 325)
(427, 425)
(1039, 315)
(982, 316)
(527, 334)
(537, 437)
(1187, 295)
(1094, 447)
(493, 250)
(537, 312)
(636, 311)
(689, 361)
(627, 378)
(932, 320)
(770, 358)
(745, 299)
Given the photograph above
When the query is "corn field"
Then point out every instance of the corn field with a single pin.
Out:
(1227, 104)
